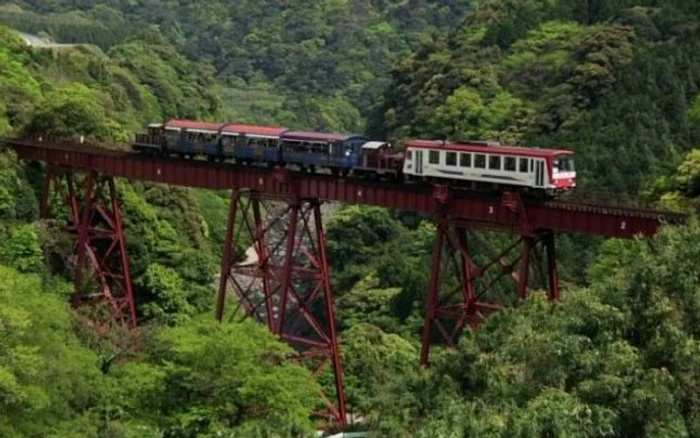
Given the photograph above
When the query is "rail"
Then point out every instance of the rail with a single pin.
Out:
(568, 213)
(583, 197)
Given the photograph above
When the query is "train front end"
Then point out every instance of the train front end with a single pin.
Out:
(564, 172)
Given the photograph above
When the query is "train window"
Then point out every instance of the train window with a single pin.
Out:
(451, 159)
(465, 160)
(495, 162)
(509, 164)
(564, 164)
(480, 161)
(409, 155)
(434, 157)
(523, 165)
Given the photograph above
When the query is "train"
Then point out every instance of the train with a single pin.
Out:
(475, 165)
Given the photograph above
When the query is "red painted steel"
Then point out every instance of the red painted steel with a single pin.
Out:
(475, 296)
(289, 270)
(568, 217)
(284, 282)
(101, 271)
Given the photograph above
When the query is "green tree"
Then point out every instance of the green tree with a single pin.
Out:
(50, 384)
(611, 360)
(376, 364)
(231, 378)
(688, 175)
(170, 303)
(20, 247)
(68, 111)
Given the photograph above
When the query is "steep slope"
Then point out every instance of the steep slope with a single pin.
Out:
(86, 91)
(613, 80)
(310, 64)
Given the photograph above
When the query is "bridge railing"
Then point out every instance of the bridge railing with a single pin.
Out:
(148, 140)
(622, 200)
(75, 141)
(579, 196)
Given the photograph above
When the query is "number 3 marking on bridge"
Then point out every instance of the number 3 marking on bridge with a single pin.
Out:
(260, 181)
(490, 209)
(623, 225)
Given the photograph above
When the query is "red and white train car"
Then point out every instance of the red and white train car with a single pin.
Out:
(485, 163)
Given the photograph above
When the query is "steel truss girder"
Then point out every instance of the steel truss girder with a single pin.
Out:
(101, 272)
(599, 218)
(282, 280)
(472, 296)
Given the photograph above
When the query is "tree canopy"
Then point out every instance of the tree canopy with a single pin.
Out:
(615, 80)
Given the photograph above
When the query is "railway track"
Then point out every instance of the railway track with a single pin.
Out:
(576, 202)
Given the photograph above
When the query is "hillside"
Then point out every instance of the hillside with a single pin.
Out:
(101, 95)
(57, 377)
(327, 60)
(616, 81)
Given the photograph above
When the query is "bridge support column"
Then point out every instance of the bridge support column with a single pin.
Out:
(101, 271)
(282, 280)
(470, 279)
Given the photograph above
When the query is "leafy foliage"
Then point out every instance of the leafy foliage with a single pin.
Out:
(612, 81)
(314, 66)
(615, 80)
(49, 383)
(82, 91)
(221, 378)
(200, 377)
(680, 191)
(611, 360)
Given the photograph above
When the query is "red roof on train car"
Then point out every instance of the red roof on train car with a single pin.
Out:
(192, 124)
(485, 148)
(272, 131)
(308, 135)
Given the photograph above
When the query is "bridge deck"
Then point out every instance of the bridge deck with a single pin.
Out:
(487, 211)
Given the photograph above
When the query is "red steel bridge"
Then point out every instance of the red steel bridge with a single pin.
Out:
(286, 284)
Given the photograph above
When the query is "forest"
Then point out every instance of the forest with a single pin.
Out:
(617, 81)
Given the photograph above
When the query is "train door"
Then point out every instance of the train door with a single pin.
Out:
(539, 173)
(419, 162)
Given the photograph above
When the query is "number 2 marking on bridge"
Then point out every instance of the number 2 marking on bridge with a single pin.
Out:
(623, 225)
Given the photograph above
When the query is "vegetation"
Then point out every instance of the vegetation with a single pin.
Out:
(201, 378)
(313, 65)
(83, 91)
(617, 81)
(614, 80)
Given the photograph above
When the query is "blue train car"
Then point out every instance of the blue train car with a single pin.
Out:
(186, 137)
(338, 152)
(249, 144)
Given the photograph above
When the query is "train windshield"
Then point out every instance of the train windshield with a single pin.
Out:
(564, 164)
